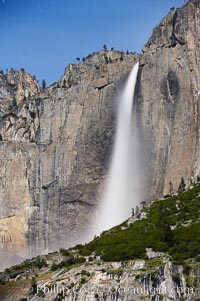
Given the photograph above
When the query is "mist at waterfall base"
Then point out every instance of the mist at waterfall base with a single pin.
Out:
(122, 190)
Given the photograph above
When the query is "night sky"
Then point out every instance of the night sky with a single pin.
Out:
(44, 36)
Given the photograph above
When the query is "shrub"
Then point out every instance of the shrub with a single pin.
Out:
(80, 260)
(82, 281)
(39, 263)
(117, 272)
(33, 286)
(186, 269)
(64, 252)
(84, 272)
(3, 281)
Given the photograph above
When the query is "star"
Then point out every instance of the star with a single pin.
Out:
(39, 7)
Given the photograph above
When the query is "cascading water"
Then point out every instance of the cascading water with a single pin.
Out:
(121, 192)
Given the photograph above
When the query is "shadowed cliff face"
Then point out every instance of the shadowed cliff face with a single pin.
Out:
(168, 99)
(55, 144)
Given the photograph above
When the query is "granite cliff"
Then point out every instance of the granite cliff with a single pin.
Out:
(55, 144)
(54, 153)
(168, 99)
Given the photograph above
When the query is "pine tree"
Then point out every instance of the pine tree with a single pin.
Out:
(137, 210)
(105, 47)
(171, 188)
(143, 203)
(182, 185)
(164, 227)
(33, 286)
(43, 84)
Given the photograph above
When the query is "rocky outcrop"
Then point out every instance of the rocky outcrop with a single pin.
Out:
(155, 279)
(22, 84)
(15, 87)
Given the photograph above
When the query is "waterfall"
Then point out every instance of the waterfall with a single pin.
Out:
(121, 193)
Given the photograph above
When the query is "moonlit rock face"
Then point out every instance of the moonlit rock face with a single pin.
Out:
(121, 192)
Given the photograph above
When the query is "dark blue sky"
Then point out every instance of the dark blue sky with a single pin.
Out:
(43, 36)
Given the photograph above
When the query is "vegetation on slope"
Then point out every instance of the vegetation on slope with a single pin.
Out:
(171, 225)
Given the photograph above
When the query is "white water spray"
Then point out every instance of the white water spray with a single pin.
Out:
(121, 192)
